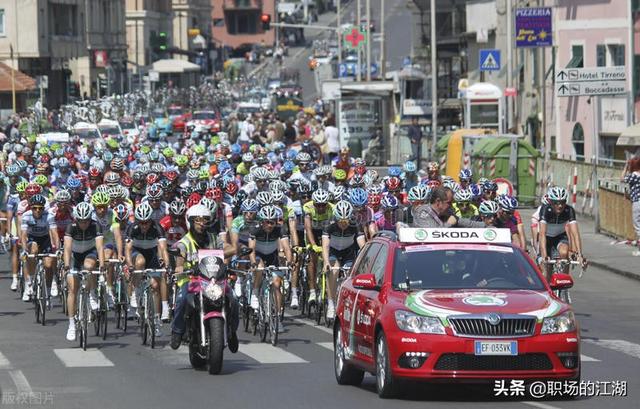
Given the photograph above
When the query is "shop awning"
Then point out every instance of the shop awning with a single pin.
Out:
(630, 136)
(23, 82)
(174, 66)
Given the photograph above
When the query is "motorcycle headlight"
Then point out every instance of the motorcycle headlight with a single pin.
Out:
(410, 322)
(559, 324)
(213, 291)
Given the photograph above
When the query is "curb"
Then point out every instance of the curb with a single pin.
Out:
(606, 267)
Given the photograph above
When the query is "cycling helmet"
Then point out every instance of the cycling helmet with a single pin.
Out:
(193, 199)
(463, 195)
(488, 208)
(21, 186)
(63, 163)
(117, 164)
(102, 189)
(154, 192)
(177, 208)
(342, 210)
(37, 199)
(100, 199)
(465, 174)
(214, 194)
(168, 152)
(192, 174)
(143, 212)
(33, 189)
(264, 198)
(394, 171)
(268, 213)
(94, 172)
(339, 193)
(231, 188)
(507, 203)
(203, 174)
(171, 175)
(247, 157)
(393, 184)
(13, 169)
(475, 191)
(375, 189)
(418, 193)
(303, 157)
(358, 197)
(489, 186)
(356, 180)
(107, 156)
(277, 185)
(320, 196)
(62, 196)
(557, 194)
(433, 167)
(278, 197)
(374, 199)
(260, 174)
(304, 189)
(181, 161)
(340, 175)
(249, 205)
(117, 192)
(410, 167)
(152, 178)
(112, 178)
(389, 202)
(41, 180)
(121, 213)
(288, 166)
(82, 211)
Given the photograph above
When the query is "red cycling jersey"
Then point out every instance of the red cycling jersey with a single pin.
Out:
(173, 232)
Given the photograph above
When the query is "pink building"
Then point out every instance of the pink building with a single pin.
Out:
(237, 22)
(591, 34)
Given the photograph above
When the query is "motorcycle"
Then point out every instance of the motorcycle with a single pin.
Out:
(207, 313)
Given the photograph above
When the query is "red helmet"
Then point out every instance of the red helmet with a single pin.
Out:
(393, 184)
(45, 159)
(217, 194)
(33, 189)
(432, 184)
(374, 199)
(193, 199)
(152, 178)
(171, 175)
(360, 170)
(94, 172)
(69, 155)
(126, 181)
(231, 188)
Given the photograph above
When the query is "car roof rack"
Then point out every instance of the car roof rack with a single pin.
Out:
(387, 234)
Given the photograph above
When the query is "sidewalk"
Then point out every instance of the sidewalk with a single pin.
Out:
(602, 251)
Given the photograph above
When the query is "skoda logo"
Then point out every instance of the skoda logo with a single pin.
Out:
(490, 235)
(421, 234)
(493, 318)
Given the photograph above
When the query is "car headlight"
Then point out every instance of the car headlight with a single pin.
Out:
(559, 324)
(410, 322)
(213, 291)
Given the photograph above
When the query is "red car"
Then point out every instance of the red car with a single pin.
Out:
(460, 305)
(179, 117)
(208, 119)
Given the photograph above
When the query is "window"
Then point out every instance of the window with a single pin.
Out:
(242, 22)
(577, 57)
(577, 138)
(616, 54)
(63, 19)
(368, 256)
(2, 22)
(218, 22)
(379, 265)
(601, 55)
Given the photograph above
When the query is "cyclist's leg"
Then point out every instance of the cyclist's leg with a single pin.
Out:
(257, 280)
(332, 277)
(563, 253)
(109, 253)
(32, 248)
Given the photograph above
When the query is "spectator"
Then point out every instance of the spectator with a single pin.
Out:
(415, 136)
(333, 139)
(290, 133)
(631, 175)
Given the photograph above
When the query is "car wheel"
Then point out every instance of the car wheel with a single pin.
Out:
(345, 373)
(385, 384)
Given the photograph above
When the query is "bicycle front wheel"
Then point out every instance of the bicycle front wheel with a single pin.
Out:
(151, 318)
(273, 315)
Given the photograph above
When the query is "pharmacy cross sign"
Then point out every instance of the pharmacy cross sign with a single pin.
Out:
(354, 38)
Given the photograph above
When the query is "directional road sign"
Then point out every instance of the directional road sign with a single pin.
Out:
(591, 81)
(489, 60)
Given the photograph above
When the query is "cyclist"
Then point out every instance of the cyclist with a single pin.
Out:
(488, 213)
(364, 215)
(301, 193)
(83, 248)
(509, 217)
(463, 206)
(417, 196)
(387, 217)
(341, 241)
(317, 213)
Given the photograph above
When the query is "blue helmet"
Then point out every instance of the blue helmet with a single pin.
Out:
(73, 183)
(223, 166)
(236, 149)
(288, 166)
(291, 154)
(489, 186)
(389, 202)
(475, 191)
(508, 203)
(465, 174)
(410, 167)
(249, 205)
(395, 171)
(358, 196)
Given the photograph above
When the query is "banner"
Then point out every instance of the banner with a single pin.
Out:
(534, 27)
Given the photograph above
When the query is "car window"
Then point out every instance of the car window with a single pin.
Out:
(379, 265)
(368, 256)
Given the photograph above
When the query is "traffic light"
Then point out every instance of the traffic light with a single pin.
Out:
(266, 21)
(163, 41)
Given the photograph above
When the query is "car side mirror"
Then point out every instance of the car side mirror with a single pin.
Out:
(561, 281)
(365, 282)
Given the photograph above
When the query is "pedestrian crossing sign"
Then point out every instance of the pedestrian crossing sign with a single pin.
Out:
(490, 60)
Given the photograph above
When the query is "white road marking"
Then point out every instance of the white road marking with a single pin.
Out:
(619, 345)
(312, 324)
(327, 345)
(540, 405)
(77, 358)
(268, 354)
(21, 382)
(4, 362)
(584, 358)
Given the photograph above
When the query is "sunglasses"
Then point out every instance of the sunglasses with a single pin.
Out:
(558, 202)
(202, 220)
(488, 216)
(37, 207)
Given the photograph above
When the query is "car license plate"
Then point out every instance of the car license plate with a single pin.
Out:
(496, 348)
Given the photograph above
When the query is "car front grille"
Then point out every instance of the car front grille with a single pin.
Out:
(466, 362)
(508, 327)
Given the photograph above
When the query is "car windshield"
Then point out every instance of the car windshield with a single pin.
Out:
(464, 267)
(109, 130)
(204, 115)
(127, 125)
(87, 133)
(175, 111)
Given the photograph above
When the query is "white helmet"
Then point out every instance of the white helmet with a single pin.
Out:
(557, 194)
(463, 195)
(143, 212)
(343, 210)
(82, 211)
(320, 196)
(198, 210)
(264, 198)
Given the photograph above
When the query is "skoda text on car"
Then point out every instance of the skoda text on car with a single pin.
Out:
(452, 305)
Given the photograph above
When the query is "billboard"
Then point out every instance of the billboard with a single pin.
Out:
(534, 27)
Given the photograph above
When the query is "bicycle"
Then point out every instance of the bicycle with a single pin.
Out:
(247, 288)
(559, 266)
(63, 289)
(83, 308)
(147, 306)
(301, 261)
(41, 298)
(342, 270)
(101, 314)
(121, 294)
(268, 315)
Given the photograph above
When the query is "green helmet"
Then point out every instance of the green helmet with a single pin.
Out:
(100, 198)
(215, 139)
(43, 150)
(181, 160)
(55, 146)
(112, 143)
(41, 180)
(145, 149)
(22, 186)
(168, 152)
(198, 149)
(32, 138)
(203, 174)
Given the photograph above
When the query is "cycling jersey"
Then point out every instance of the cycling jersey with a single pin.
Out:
(174, 232)
(383, 223)
(83, 240)
(242, 229)
(38, 228)
(469, 212)
(105, 223)
(267, 244)
(295, 211)
(142, 240)
(63, 219)
(556, 222)
(340, 239)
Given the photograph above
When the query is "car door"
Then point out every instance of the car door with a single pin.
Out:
(358, 327)
(370, 305)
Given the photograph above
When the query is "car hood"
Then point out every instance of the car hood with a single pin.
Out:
(443, 303)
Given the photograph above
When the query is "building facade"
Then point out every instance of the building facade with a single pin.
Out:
(145, 19)
(237, 22)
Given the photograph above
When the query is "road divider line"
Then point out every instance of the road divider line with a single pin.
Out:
(4, 362)
(21, 382)
(326, 345)
(77, 358)
(312, 324)
(268, 354)
(585, 358)
(540, 405)
(619, 345)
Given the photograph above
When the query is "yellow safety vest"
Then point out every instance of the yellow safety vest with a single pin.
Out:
(191, 249)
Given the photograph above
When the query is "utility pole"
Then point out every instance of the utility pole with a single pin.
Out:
(13, 80)
(275, 18)
(339, 32)
(368, 11)
(359, 67)
(509, 59)
(382, 50)
(434, 82)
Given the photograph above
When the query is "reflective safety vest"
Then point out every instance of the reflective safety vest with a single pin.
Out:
(191, 252)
